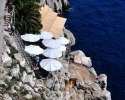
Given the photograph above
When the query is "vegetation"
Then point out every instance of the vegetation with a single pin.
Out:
(27, 16)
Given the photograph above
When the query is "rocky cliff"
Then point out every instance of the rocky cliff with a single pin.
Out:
(57, 5)
(75, 81)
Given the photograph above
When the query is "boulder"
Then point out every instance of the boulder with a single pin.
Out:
(7, 49)
(96, 87)
(7, 97)
(93, 72)
(50, 83)
(106, 94)
(6, 59)
(28, 96)
(57, 5)
(103, 81)
(22, 62)
(23, 76)
(57, 86)
(27, 87)
(15, 71)
(70, 36)
(17, 56)
(29, 79)
(13, 90)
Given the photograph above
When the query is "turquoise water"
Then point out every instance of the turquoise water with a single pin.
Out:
(99, 29)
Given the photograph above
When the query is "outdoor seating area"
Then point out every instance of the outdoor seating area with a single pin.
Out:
(44, 51)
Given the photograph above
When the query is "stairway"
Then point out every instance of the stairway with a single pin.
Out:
(21, 46)
(7, 20)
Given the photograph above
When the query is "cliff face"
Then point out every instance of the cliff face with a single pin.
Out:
(57, 5)
(2, 5)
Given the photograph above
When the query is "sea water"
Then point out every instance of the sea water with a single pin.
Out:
(99, 29)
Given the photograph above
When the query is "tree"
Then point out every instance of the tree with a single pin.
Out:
(27, 16)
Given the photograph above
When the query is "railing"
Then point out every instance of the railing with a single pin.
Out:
(19, 41)
(21, 46)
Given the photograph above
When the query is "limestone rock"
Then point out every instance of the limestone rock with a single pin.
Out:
(70, 36)
(13, 90)
(6, 59)
(50, 83)
(28, 96)
(7, 97)
(56, 5)
(23, 76)
(29, 79)
(14, 45)
(27, 87)
(8, 77)
(22, 62)
(103, 81)
(93, 72)
(96, 87)
(6, 33)
(15, 71)
(106, 94)
(17, 56)
(7, 49)
(57, 86)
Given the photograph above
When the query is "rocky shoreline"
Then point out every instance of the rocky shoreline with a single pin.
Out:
(75, 81)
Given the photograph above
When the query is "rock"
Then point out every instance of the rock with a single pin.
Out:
(29, 79)
(6, 33)
(6, 59)
(2, 72)
(20, 84)
(86, 61)
(28, 69)
(22, 62)
(7, 97)
(78, 53)
(13, 90)
(15, 71)
(14, 45)
(50, 83)
(96, 87)
(57, 5)
(88, 97)
(37, 96)
(7, 49)
(59, 94)
(106, 94)
(103, 81)
(17, 87)
(39, 83)
(17, 56)
(57, 86)
(96, 94)
(2, 82)
(36, 89)
(102, 95)
(80, 95)
(23, 76)
(93, 72)
(8, 77)
(27, 87)
(70, 36)
(28, 96)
